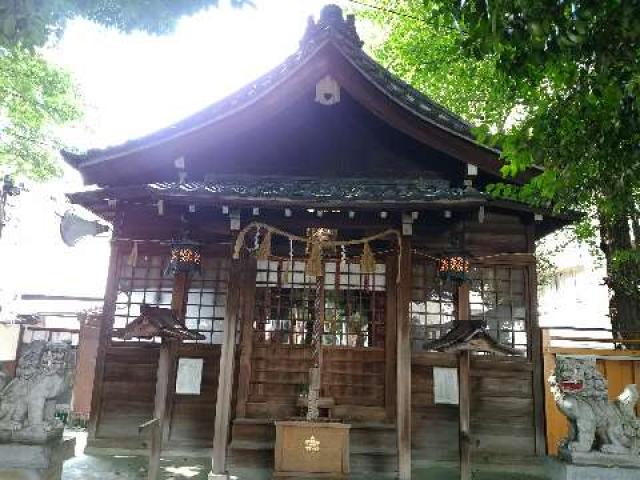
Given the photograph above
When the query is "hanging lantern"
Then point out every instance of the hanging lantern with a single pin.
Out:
(185, 257)
(454, 267)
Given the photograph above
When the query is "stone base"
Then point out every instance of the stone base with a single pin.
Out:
(35, 462)
(567, 471)
(218, 476)
(32, 435)
(599, 459)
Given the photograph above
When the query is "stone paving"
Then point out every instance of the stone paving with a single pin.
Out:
(120, 467)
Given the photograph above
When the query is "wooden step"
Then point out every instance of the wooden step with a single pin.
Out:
(255, 431)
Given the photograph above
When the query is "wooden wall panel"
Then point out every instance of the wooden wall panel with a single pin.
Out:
(128, 391)
(353, 377)
(502, 411)
(193, 416)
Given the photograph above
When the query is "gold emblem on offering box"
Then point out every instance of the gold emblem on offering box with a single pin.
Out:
(312, 445)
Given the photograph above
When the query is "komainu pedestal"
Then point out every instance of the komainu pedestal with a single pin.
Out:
(35, 462)
(31, 443)
(604, 437)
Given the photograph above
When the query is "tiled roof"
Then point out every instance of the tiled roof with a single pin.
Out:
(322, 189)
(469, 335)
(296, 189)
(331, 27)
(158, 322)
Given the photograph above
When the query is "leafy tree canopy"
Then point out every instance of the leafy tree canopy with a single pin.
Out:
(34, 98)
(31, 22)
(559, 82)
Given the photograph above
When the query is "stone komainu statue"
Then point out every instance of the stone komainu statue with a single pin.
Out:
(596, 425)
(28, 401)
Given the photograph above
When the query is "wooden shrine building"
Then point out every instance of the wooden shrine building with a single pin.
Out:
(327, 141)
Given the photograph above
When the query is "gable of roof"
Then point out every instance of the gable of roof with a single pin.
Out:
(331, 30)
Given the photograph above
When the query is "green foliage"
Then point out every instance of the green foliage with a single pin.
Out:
(560, 82)
(34, 98)
(30, 23)
(425, 52)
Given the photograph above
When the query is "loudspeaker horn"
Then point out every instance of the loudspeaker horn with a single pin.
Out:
(74, 228)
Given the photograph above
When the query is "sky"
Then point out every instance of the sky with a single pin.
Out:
(135, 84)
(131, 85)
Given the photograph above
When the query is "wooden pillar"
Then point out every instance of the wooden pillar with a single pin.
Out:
(88, 341)
(246, 348)
(464, 375)
(104, 336)
(164, 387)
(181, 284)
(237, 274)
(390, 339)
(536, 357)
(403, 355)
(166, 379)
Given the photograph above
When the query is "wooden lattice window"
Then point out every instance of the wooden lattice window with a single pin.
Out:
(285, 298)
(354, 305)
(144, 283)
(432, 304)
(498, 296)
(207, 300)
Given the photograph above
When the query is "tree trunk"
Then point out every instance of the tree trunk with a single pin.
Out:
(622, 278)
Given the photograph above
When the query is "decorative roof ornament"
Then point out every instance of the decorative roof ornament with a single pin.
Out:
(327, 91)
(472, 336)
(158, 322)
(331, 22)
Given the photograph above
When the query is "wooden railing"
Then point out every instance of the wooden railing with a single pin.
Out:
(617, 359)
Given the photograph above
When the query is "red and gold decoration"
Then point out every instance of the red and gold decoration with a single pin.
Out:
(453, 267)
(185, 257)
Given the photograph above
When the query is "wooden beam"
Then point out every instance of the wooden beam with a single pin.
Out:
(104, 338)
(464, 375)
(178, 306)
(462, 301)
(237, 276)
(168, 349)
(248, 292)
(179, 295)
(403, 354)
(390, 339)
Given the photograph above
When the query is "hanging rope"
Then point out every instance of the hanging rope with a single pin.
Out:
(474, 258)
(315, 246)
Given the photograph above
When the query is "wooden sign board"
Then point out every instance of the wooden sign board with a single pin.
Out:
(189, 376)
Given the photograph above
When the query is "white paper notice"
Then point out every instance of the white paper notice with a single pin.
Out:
(445, 385)
(189, 377)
